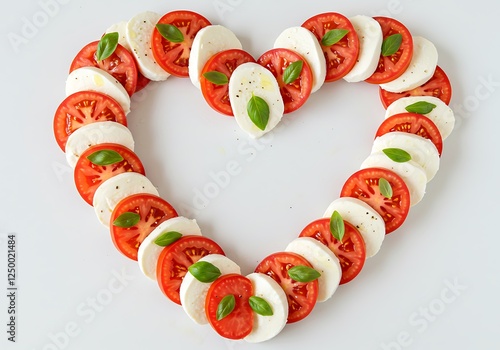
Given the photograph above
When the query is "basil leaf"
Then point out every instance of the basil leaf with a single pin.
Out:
(397, 155)
(301, 273)
(170, 32)
(337, 227)
(391, 44)
(421, 107)
(385, 188)
(292, 72)
(127, 220)
(258, 111)
(333, 36)
(204, 271)
(216, 78)
(167, 238)
(105, 157)
(260, 306)
(107, 45)
(226, 306)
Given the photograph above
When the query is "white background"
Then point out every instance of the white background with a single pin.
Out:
(69, 296)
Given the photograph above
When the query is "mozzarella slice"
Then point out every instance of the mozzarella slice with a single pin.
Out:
(267, 327)
(322, 260)
(412, 174)
(116, 188)
(149, 251)
(139, 32)
(207, 42)
(94, 134)
(193, 292)
(442, 115)
(422, 151)
(303, 41)
(121, 29)
(369, 223)
(95, 79)
(370, 44)
(251, 79)
(421, 68)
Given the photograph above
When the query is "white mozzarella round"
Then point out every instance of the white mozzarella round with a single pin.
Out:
(322, 260)
(421, 150)
(139, 32)
(207, 42)
(412, 174)
(116, 188)
(267, 327)
(193, 292)
(369, 223)
(121, 29)
(421, 68)
(370, 43)
(251, 79)
(149, 251)
(94, 134)
(95, 79)
(442, 115)
(303, 41)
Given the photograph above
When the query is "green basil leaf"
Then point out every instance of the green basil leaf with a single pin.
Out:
(385, 188)
(333, 36)
(397, 155)
(260, 306)
(301, 273)
(391, 44)
(421, 107)
(167, 238)
(105, 157)
(216, 78)
(127, 220)
(107, 45)
(258, 111)
(292, 72)
(337, 226)
(204, 271)
(226, 306)
(170, 32)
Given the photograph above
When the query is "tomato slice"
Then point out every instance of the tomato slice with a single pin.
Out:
(174, 261)
(413, 123)
(438, 86)
(239, 323)
(393, 66)
(301, 296)
(88, 176)
(82, 108)
(364, 185)
(296, 93)
(152, 211)
(342, 56)
(121, 64)
(173, 56)
(142, 81)
(217, 96)
(351, 252)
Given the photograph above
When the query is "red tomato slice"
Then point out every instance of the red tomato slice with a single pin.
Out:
(217, 96)
(393, 66)
(142, 81)
(152, 210)
(301, 296)
(82, 108)
(342, 56)
(438, 86)
(364, 186)
(239, 323)
(174, 261)
(171, 56)
(351, 252)
(296, 93)
(413, 123)
(88, 176)
(121, 64)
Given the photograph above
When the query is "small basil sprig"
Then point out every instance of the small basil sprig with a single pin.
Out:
(333, 36)
(167, 238)
(258, 111)
(260, 306)
(127, 220)
(107, 45)
(421, 107)
(337, 226)
(292, 72)
(226, 306)
(391, 44)
(105, 157)
(397, 155)
(385, 188)
(216, 78)
(204, 271)
(170, 32)
(301, 273)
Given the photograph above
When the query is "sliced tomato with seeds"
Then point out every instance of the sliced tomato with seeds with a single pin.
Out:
(173, 57)
(364, 185)
(351, 252)
(142, 81)
(152, 211)
(341, 56)
(295, 93)
(239, 322)
(301, 296)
